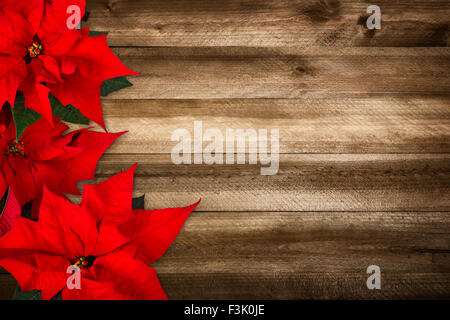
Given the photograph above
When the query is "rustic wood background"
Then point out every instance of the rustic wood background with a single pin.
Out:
(364, 120)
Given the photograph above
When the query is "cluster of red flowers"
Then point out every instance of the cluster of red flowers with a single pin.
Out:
(39, 55)
(108, 242)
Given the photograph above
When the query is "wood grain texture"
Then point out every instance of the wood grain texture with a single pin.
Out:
(298, 255)
(330, 125)
(270, 22)
(305, 182)
(224, 73)
(364, 120)
(308, 255)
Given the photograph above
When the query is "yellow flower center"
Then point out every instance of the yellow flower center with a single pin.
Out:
(34, 50)
(15, 148)
(82, 263)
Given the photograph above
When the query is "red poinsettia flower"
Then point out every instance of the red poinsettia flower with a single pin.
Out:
(39, 54)
(110, 243)
(43, 156)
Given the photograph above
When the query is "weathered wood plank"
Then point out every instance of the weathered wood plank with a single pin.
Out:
(270, 22)
(222, 73)
(305, 182)
(297, 255)
(308, 255)
(279, 284)
(366, 125)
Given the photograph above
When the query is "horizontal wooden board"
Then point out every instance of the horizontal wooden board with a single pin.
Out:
(304, 255)
(305, 182)
(365, 125)
(270, 22)
(223, 73)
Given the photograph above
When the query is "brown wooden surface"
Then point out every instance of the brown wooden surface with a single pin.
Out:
(212, 73)
(364, 120)
(270, 22)
(305, 182)
(379, 124)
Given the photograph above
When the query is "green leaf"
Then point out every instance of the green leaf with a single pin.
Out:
(138, 203)
(114, 84)
(23, 117)
(97, 33)
(27, 295)
(58, 296)
(32, 295)
(67, 113)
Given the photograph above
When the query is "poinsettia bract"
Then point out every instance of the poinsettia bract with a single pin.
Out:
(110, 243)
(45, 156)
(40, 54)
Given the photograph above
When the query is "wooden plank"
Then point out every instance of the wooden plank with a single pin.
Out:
(279, 285)
(308, 255)
(298, 255)
(223, 73)
(365, 125)
(270, 22)
(305, 182)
